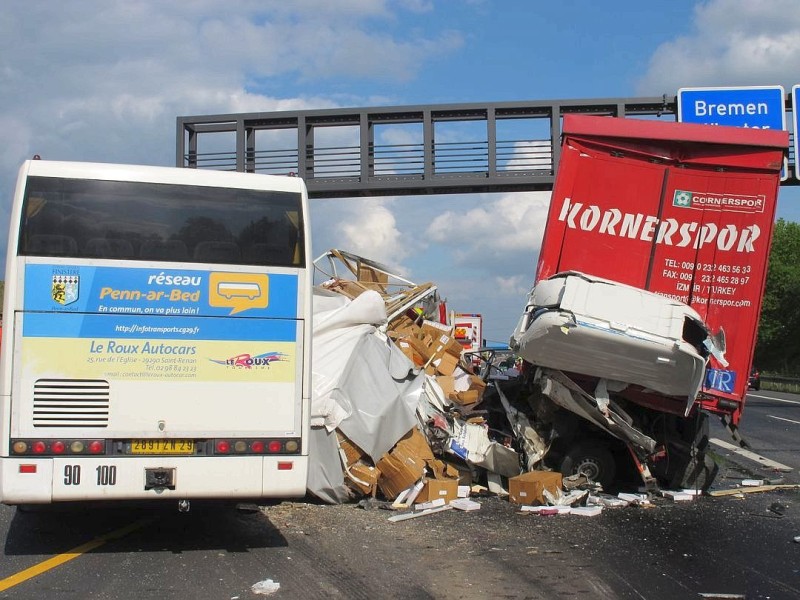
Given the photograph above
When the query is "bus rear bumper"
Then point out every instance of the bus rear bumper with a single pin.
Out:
(65, 479)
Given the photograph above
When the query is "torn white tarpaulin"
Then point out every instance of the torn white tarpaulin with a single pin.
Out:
(325, 474)
(364, 386)
(339, 324)
(359, 376)
(379, 390)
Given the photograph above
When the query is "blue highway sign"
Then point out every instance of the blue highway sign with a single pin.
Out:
(756, 107)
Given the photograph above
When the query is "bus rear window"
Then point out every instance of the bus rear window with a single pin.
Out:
(85, 218)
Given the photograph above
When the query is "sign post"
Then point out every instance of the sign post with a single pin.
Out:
(796, 118)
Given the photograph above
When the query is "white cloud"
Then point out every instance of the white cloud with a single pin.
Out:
(370, 229)
(515, 285)
(511, 223)
(105, 79)
(365, 226)
(730, 42)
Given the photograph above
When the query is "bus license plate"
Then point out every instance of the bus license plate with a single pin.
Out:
(162, 447)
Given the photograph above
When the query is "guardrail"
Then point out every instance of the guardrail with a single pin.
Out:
(781, 383)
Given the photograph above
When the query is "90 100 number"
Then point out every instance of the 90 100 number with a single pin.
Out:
(72, 474)
(106, 475)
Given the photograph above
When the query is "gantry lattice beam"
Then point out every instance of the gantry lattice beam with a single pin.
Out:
(424, 149)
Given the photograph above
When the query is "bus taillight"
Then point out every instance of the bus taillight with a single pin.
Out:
(57, 447)
(257, 446)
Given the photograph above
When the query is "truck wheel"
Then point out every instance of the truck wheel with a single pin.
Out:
(592, 459)
(699, 473)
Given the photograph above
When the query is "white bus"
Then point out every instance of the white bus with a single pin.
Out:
(156, 335)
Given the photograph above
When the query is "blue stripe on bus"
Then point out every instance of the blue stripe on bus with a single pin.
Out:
(76, 325)
(179, 292)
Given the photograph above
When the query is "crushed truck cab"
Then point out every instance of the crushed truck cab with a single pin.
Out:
(652, 270)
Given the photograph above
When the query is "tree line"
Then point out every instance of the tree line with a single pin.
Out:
(778, 346)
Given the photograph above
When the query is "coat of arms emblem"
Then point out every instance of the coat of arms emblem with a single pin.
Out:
(65, 289)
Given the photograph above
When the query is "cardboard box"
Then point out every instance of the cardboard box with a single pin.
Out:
(363, 477)
(372, 279)
(438, 488)
(406, 348)
(352, 453)
(442, 470)
(448, 385)
(442, 363)
(404, 325)
(404, 464)
(469, 397)
(418, 346)
(528, 488)
(443, 338)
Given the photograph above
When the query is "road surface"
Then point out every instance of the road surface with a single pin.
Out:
(710, 547)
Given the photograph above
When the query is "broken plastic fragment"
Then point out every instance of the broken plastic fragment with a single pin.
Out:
(586, 511)
(752, 482)
(265, 587)
(430, 504)
(465, 504)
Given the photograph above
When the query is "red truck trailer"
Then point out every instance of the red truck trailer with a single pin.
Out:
(683, 211)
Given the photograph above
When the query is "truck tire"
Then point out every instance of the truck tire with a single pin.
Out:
(592, 459)
(699, 474)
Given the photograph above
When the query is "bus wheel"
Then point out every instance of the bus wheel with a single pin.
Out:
(591, 459)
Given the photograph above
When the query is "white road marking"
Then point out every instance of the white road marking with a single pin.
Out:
(771, 398)
(782, 419)
(770, 464)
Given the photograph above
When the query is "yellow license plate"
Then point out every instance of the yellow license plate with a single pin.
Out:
(162, 447)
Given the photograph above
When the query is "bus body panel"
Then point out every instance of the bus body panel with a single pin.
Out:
(79, 478)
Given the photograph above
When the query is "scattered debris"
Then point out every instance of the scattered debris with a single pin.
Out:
(752, 482)
(679, 495)
(586, 511)
(265, 587)
(636, 499)
(465, 504)
(404, 420)
(422, 513)
(777, 508)
(752, 490)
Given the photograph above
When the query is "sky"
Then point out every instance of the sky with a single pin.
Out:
(105, 80)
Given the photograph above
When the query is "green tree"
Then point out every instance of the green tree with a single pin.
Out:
(778, 347)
